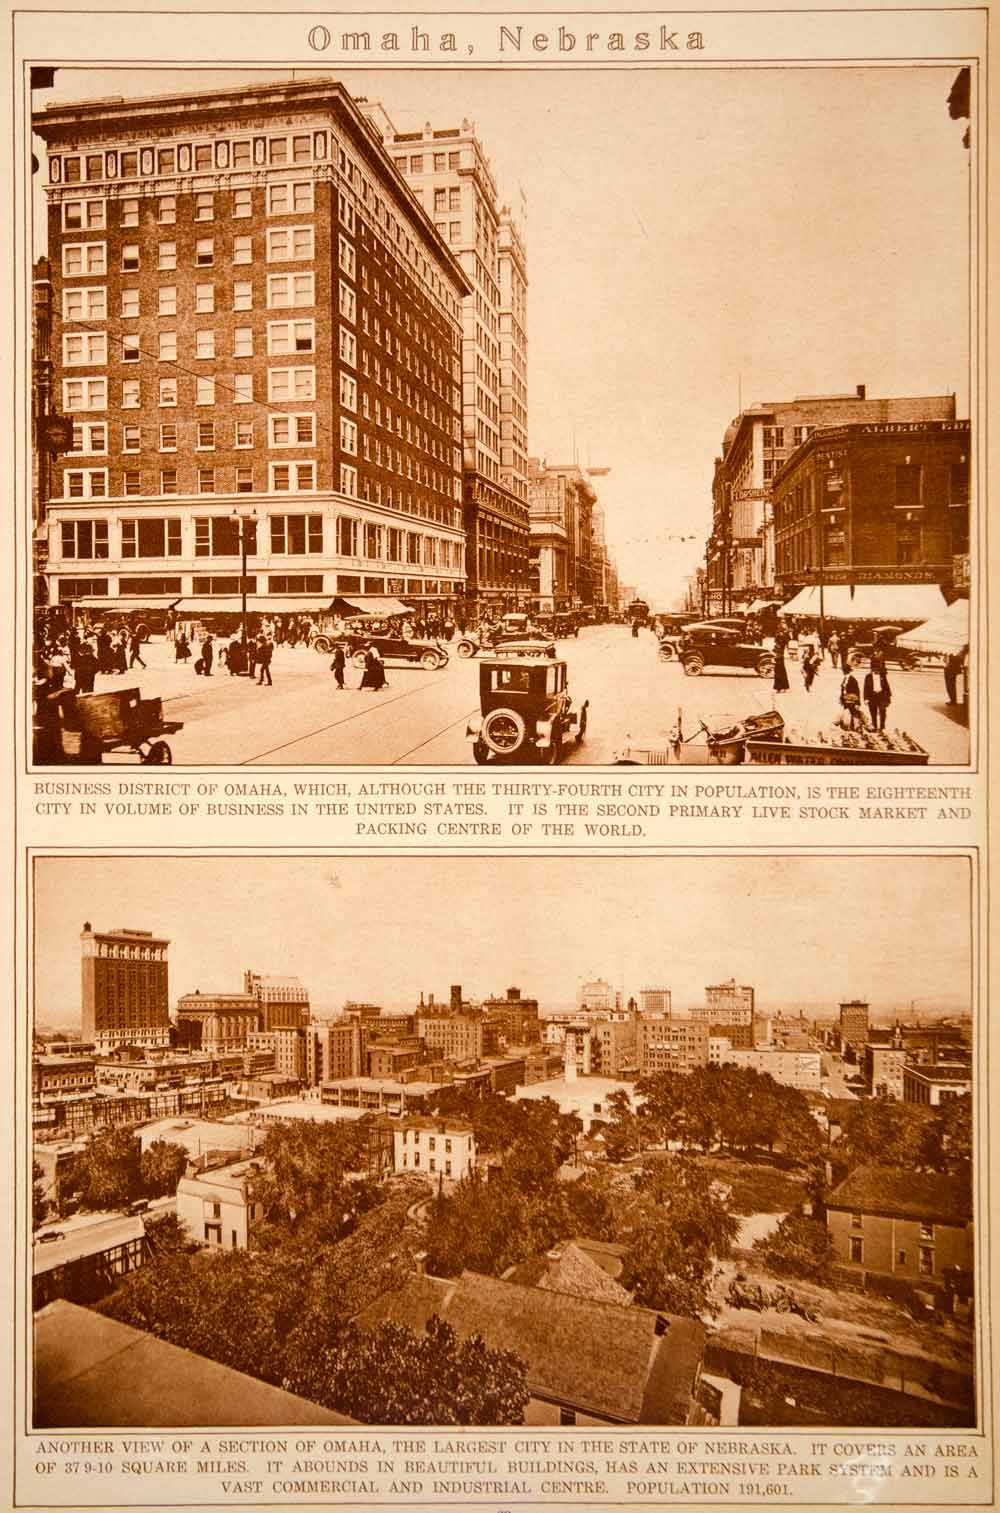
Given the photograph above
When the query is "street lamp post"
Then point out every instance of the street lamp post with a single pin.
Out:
(242, 523)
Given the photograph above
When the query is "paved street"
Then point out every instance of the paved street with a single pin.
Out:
(420, 717)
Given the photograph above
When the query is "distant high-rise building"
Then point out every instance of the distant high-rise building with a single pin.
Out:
(284, 1002)
(599, 997)
(655, 1001)
(729, 1010)
(854, 1025)
(124, 997)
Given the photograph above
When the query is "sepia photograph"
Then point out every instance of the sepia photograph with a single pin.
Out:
(565, 1162)
(601, 415)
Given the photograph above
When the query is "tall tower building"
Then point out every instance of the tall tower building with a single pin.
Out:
(124, 995)
(655, 1001)
(257, 333)
(854, 1024)
(449, 173)
(283, 1001)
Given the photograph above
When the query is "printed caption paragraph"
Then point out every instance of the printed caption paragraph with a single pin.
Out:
(297, 1468)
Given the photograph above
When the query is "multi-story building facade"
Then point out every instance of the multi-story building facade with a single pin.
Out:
(283, 1002)
(216, 1022)
(740, 555)
(728, 1010)
(257, 334)
(853, 1025)
(655, 1001)
(934, 1085)
(562, 500)
(57, 1077)
(871, 505)
(671, 1045)
(450, 175)
(792, 1068)
(332, 1051)
(124, 998)
(599, 997)
(514, 1017)
(434, 1147)
(457, 1037)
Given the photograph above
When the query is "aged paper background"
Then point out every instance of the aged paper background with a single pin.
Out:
(821, 810)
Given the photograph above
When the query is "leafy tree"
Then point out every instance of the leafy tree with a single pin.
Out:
(675, 1228)
(168, 1235)
(107, 1171)
(304, 1176)
(487, 1227)
(391, 1375)
(798, 1247)
(948, 1138)
(884, 1133)
(39, 1202)
(162, 1166)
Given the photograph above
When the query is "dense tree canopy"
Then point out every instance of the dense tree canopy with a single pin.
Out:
(107, 1172)
(798, 1247)
(162, 1166)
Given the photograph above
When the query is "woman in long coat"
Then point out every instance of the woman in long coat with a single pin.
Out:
(374, 673)
(780, 670)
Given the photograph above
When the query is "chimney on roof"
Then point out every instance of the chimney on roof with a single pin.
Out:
(861, 391)
(552, 1259)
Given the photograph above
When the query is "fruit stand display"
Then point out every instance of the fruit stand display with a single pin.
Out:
(838, 747)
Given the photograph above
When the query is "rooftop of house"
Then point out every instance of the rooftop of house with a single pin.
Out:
(881, 1190)
(601, 1357)
(93, 1373)
(569, 1269)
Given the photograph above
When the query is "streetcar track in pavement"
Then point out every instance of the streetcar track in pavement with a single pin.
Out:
(357, 715)
(462, 719)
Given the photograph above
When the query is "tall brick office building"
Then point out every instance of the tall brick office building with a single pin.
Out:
(252, 317)
(124, 990)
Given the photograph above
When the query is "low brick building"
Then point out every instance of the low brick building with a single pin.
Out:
(913, 1226)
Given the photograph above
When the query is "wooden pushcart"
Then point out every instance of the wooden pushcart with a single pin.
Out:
(101, 723)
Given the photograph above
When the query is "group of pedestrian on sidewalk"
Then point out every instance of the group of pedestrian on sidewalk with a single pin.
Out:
(875, 691)
(373, 676)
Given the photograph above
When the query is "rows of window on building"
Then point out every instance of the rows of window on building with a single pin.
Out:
(862, 503)
(224, 1060)
(280, 351)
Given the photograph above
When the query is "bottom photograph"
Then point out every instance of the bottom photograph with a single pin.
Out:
(476, 1140)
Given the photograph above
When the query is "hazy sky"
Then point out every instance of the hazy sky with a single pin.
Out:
(694, 237)
(815, 929)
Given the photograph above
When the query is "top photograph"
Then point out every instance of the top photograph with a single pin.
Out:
(438, 417)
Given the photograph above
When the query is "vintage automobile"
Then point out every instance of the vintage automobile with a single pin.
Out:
(428, 654)
(565, 625)
(884, 636)
(512, 629)
(709, 644)
(526, 712)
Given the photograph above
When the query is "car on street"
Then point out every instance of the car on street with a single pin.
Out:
(526, 712)
(709, 644)
(885, 638)
(513, 628)
(427, 654)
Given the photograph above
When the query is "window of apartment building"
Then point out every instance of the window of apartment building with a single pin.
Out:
(346, 257)
(242, 206)
(166, 209)
(242, 295)
(131, 483)
(394, 544)
(151, 538)
(241, 155)
(84, 349)
(292, 477)
(166, 160)
(84, 540)
(347, 302)
(244, 480)
(243, 434)
(131, 438)
(348, 347)
(90, 437)
(131, 395)
(291, 430)
(243, 341)
(289, 199)
(284, 289)
(85, 215)
(129, 215)
(204, 205)
(71, 170)
(130, 350)
(166, 299)
(218, 536)
(203, 155)
(206, 480)
(206, 435)
(296, 535)
(168, 391)
(454, 231)
(348, 214)
(242, 388)
(907, 495)
(242, 249)
(295, 583)
(348, 436)
(926, 1261)
(277, 150)
(204, 343)
(85, 393)
(289, 243)
(130, 257)
(166, 256)
(290, 336)
(83, 258)
(204, 299)
(440, 200)
(204, 391)
(373, 542)
(348, 534)
(168, 437)
(291, 383)
(204, 252)
(857, 1250)
(85, 483)
(927, 1233)
(167, 346)
(454, 198)
(348, 392)
(130, 304)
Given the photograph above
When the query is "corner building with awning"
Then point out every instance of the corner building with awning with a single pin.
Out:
(257, 335)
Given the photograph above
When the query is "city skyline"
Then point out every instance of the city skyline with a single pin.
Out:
(385, 930)
(680, 333)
